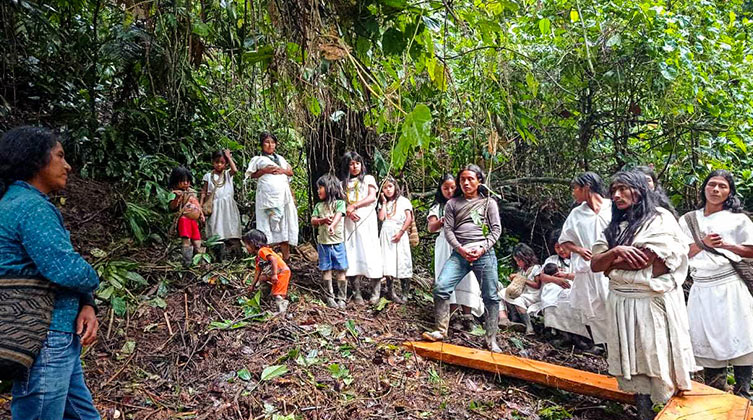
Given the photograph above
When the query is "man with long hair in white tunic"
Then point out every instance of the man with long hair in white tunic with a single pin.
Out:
(580, 231)
(720, 307)
(644, 253)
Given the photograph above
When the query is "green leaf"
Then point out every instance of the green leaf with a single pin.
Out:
(397, 4)
(545, 26)
(416, 131)
(271, 372)
(200, 28)
(118, 305)
(574, 17)
(244, 374)
(136, 278)
(351, 326)
(381, 304)
(533, 85)
(393, 42)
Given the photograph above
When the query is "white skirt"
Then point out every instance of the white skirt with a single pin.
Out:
(589, 295)
(225, 220)
(559, 312)
(720, 313)
(468, 291)
(362, 245)
(396, 257)
(288, 229)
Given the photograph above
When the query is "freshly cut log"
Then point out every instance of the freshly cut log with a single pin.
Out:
(702, 403)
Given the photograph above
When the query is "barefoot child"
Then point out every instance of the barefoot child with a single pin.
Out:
(467, 293)
(188, 212)
(270, 267)
(224, 218)
(328, 215)
(396, 215)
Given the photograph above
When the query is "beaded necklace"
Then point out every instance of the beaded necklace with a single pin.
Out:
(356, 188)
(218, 183)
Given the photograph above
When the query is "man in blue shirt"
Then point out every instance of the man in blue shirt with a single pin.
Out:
(35, 243)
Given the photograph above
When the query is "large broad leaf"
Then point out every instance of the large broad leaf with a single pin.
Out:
(416, 131)
(393, 42)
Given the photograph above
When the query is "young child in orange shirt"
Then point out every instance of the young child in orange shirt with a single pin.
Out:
(270, 267)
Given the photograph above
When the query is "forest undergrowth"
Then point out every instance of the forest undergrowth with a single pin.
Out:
(195, 344)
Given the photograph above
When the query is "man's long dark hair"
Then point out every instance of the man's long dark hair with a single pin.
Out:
(482, 190)
(590, 180)
(642, 210)
(732, 203)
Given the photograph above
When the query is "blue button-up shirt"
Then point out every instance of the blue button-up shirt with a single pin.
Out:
(34, 243)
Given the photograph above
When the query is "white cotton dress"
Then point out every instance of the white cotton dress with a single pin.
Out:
(468, 291)
(273, 194)
(225, 220)
(589, 292)
(530, 297)
(396, 257)
(720, 308)
(648, 339)
(559, 313)
(362, 237)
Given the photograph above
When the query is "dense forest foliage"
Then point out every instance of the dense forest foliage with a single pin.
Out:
(534, 91)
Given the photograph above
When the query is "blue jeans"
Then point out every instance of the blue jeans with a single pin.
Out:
(55, 387)
(457, 267)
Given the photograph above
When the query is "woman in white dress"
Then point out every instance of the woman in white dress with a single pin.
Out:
(467, 293)
(720, 307)
(580, 231)
(643, 252)
(396, 214)
(225, 219)
(361, 227)
(276, 214)
(559, 313)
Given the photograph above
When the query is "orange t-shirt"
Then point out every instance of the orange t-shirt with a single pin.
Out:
(263, 264)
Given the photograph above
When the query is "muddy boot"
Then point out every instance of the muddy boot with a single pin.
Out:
(505, 323)
(342, 290)
(376, 290)
(329, 293)
(357, 297)
(187, 254)
(282, 304)
(468, 322)
(220, 252)
(491, 325)
(392, 293)
(716, 377)
(441, 319)
(645, 407)
(743, 375)
(405, 289)
(563, 339)
(529, 326)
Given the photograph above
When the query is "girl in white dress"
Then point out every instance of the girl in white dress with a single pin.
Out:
(467, 293)
(276, 214)
(361, 227)
(528, 267)
(582, 227)
(559, 314)
(396, 214)
(720, 307)
(225, 220)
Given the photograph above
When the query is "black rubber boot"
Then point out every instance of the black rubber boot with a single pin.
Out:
(405, 289)
(645, 407)
(527, 321)
(187, 254)
(392, 293)
(342, 291)
(357, 297)
(743, 375)
(329, 292)
(716, 377)
(376, 290)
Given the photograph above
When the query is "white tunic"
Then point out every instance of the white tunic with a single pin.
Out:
(468, 291)
(590, 290)
(225, 220)
(720, 308)
(362, 237)
(396, 257)
(648, 339)
(555, 302)
(530, 297)
(276, 214)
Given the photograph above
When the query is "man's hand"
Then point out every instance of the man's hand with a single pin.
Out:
(585, 253)
(713, 240)
(633, 256)
(87, 325)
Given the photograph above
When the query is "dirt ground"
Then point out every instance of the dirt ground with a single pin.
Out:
(214, 353)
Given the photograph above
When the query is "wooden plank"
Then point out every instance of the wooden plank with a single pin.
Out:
(701, 403)
(543, 373)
